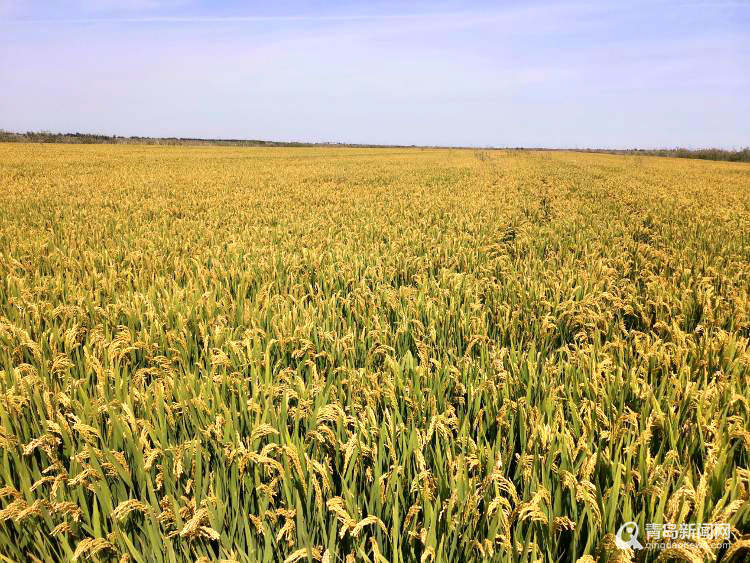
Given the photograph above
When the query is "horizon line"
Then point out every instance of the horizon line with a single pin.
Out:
(355, 144)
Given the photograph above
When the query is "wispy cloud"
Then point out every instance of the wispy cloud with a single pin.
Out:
(239, 19)
(9, 8)
(129, 5)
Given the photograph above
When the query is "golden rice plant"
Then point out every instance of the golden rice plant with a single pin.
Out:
(343, 355)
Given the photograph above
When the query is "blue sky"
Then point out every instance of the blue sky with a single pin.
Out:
(539, 73)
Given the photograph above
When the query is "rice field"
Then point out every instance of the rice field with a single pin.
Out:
(337, 355)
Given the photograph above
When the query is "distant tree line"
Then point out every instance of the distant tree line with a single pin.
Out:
(91, 138)
(742, 155)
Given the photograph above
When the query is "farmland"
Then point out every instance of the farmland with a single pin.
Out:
(338, 354)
